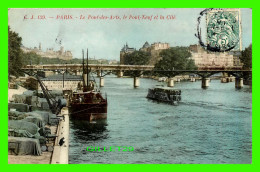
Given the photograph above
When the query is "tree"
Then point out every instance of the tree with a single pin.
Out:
(31, 58)
(136, 58)
(14, 53)
(246, 57)
(176, 58)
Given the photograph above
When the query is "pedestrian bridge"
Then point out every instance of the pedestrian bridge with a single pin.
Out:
(95, 67)
(104, 69)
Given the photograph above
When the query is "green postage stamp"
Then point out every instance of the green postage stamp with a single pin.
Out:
(223, 30)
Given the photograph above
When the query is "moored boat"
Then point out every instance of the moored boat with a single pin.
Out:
(87, 103)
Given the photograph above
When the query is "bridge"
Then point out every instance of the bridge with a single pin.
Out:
(138, 70)
(95, 67)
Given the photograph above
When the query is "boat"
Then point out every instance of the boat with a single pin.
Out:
(167, 95)
(87, 103)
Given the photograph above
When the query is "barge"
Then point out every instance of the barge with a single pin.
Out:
(171, 96)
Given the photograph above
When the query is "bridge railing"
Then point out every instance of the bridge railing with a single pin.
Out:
(123, 67)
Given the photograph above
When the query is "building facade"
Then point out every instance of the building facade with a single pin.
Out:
(64, 81)
(50, 53)
(125, 50)
(203, 58)
(60, 82)
(153, 49)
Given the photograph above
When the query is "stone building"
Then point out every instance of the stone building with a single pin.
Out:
(125, 50)
(203, 58)
(153, 49)
(54, 82)
(50, 53)
(60, 82)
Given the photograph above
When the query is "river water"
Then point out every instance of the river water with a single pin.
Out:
(211, 125)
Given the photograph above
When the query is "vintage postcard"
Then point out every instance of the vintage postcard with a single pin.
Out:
(129, 86)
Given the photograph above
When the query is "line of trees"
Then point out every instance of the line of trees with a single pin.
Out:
(15, 58)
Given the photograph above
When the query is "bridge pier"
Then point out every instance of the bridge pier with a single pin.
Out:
(120, 74)
(205, 82)
(239, 83)
(170, 82)
(99, 73)
(101, 82)
(136, 82)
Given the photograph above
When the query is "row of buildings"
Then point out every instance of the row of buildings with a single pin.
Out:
(201, 57)
(63, 54)
(50, 52)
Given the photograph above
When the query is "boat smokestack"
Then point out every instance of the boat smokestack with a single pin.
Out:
(87, 70)
(84, 73)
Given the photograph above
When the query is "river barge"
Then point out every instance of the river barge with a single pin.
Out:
(167, 95)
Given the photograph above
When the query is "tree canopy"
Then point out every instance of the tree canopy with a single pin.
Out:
(246, 57)
(175, 58)
(14, 53)
(136, 58)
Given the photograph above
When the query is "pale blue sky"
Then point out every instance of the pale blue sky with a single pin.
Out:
(105, 38)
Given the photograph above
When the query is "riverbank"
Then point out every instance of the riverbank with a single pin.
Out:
(61, 152)
(59, 155)
(49, 151)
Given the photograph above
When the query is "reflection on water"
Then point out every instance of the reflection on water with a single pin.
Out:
(85, 130)
(211, 125)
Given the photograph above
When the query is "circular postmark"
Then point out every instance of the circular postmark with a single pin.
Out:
(222, 27)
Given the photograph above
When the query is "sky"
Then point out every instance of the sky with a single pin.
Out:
(104, 38)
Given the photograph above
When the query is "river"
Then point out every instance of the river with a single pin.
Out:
(211, 125)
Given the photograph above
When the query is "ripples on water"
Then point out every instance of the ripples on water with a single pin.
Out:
(208, 126)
